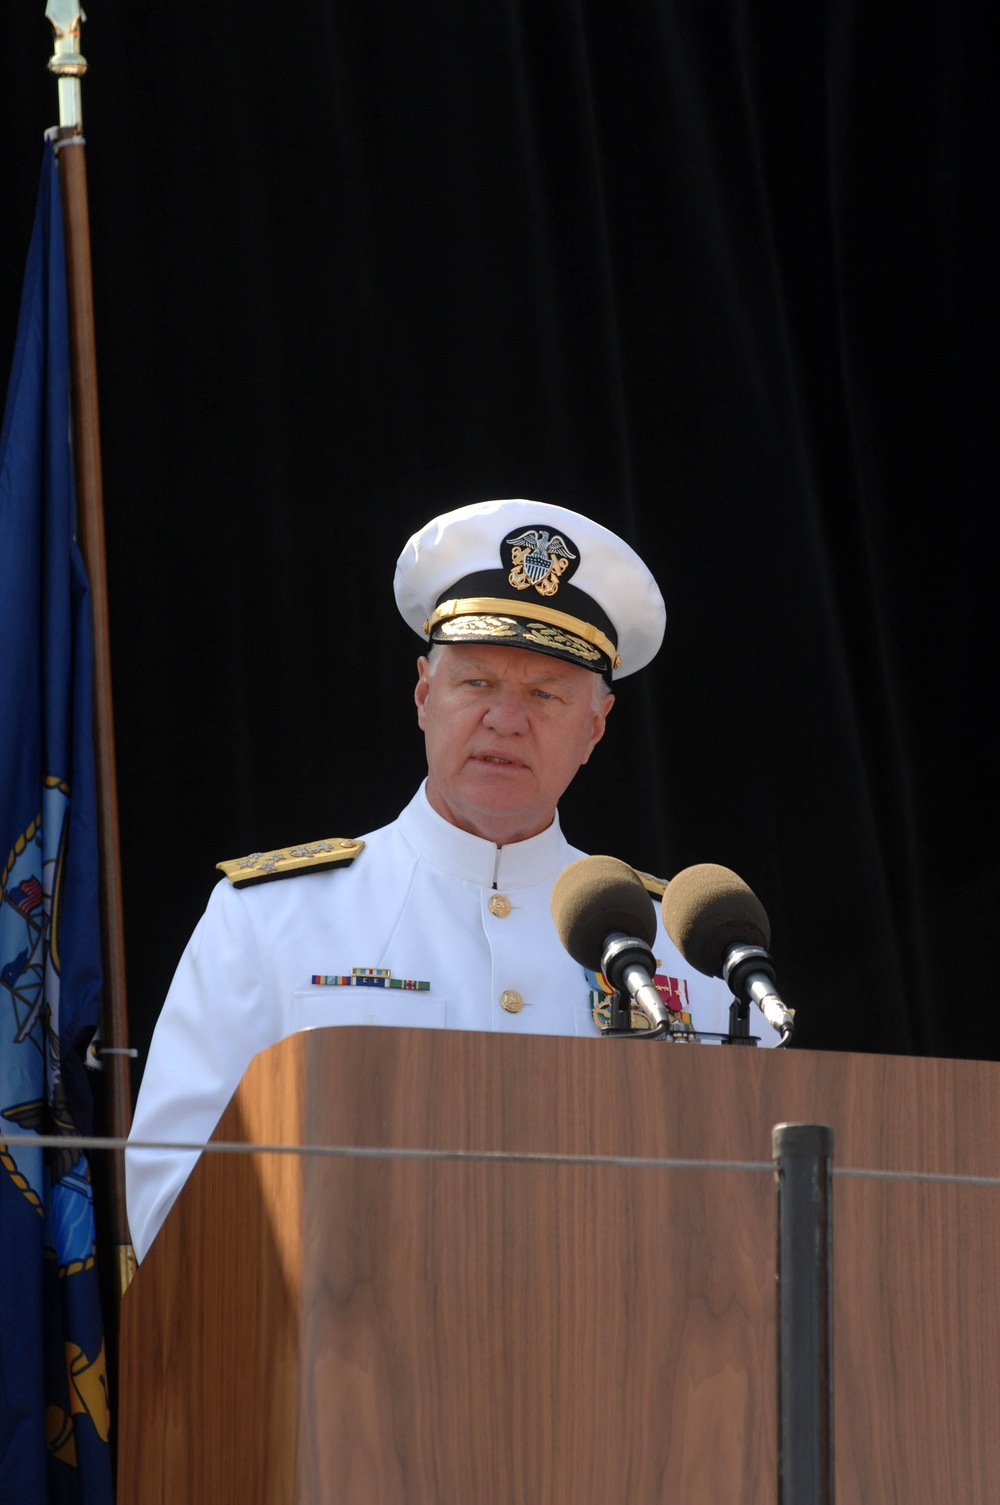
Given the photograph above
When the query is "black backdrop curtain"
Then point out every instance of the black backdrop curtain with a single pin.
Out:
(714, 274)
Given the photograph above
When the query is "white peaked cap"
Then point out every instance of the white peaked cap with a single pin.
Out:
(525, 574)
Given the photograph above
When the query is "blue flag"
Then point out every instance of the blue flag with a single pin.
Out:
(54, 1412)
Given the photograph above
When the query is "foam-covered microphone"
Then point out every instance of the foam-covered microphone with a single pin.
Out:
(606, 921)
(720, 926)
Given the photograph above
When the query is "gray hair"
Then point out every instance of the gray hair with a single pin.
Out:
(601, 687)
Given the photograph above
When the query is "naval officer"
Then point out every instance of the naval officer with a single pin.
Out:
(529, 613)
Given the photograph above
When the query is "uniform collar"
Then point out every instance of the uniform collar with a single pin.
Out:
(520, 864)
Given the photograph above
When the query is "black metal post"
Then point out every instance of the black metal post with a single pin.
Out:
(739, 1024)
(803, 1154)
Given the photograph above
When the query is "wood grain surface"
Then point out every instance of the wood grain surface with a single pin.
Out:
(414, 1332)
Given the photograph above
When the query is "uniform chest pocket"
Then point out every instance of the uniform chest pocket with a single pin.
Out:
(318, 1007)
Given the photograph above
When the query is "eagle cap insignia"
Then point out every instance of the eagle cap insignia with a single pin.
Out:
(538, 557)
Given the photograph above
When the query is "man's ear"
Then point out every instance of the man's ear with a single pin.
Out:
(422, 688)
(599, 724)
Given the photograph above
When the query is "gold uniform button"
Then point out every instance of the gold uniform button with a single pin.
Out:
(511, 1000)
(500, 906)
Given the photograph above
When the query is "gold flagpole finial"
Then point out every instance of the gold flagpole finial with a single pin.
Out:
(67, 62)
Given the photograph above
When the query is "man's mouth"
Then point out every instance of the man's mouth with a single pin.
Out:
(497, 760)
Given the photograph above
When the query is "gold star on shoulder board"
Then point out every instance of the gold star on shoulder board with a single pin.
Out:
(313, 857)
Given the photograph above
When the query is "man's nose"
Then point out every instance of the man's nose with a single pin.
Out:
(507, 714)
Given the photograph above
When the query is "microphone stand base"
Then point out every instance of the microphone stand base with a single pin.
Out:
(739, 1024)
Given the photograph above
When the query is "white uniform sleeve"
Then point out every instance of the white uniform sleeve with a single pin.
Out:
(216, 1017)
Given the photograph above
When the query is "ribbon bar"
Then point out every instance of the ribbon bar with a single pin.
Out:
(371, 979)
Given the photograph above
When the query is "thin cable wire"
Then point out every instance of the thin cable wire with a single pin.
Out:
(376, 1152)
(509, 1157)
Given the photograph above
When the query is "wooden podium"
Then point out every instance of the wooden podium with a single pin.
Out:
(374, 1331)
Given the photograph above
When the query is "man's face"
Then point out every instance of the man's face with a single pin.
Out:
(505, 730)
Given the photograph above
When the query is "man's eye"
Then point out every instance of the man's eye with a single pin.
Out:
(544, 695)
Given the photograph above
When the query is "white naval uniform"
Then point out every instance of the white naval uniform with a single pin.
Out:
(416, 901)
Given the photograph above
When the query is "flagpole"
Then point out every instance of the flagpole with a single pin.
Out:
(69, 66)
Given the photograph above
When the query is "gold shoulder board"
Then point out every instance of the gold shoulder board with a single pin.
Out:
(315, 856)
(655, 886)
